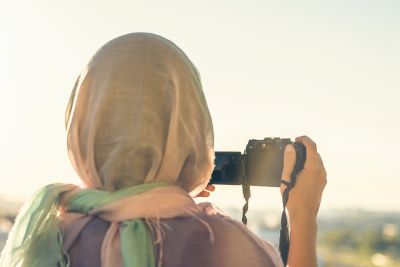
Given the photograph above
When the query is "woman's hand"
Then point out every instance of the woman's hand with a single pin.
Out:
(206, 193)
(305, 197)
(303, 204)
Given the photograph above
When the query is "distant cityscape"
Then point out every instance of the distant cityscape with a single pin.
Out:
(346, 238)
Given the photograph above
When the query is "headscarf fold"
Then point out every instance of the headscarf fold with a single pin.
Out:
(140, 137)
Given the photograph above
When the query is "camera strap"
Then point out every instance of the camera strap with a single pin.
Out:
(284, 239)
(246, 195)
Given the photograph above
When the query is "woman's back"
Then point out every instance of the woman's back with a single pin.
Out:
(185, 242)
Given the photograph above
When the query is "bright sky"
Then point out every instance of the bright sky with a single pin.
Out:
(269, 68)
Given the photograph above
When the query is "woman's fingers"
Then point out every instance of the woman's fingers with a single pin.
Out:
(210, 187)
(322, 167)
(313, 163)
(308, 143)
(207, 191)
(204, 194)
(311, 151)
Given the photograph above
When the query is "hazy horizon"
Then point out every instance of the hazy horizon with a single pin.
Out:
(328, 70)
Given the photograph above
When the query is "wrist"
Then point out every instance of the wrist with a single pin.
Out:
(303, 221)
(303, 242)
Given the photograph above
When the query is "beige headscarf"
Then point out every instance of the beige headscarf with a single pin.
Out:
(137, 115)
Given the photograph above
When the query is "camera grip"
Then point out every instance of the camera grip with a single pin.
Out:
(301, 155)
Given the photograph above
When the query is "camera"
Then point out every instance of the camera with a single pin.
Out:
(261, 164)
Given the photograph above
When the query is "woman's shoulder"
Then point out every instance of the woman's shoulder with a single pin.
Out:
(220, 234)
(212, 213)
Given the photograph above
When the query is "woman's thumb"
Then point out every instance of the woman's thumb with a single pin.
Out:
(289, 160)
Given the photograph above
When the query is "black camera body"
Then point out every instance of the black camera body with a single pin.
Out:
(260, 165)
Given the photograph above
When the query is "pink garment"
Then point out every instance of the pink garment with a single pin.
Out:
(186, 241)
(162, 202)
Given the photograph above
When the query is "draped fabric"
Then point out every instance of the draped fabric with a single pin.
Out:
(37, 238)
